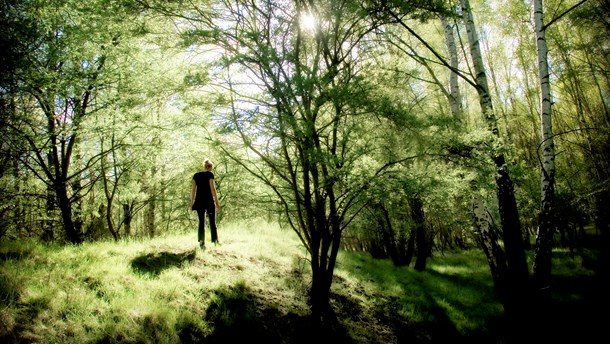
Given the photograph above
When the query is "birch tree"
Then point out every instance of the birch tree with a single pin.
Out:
(546, 219)
(518, 273)
(454, 91)
(546, 223)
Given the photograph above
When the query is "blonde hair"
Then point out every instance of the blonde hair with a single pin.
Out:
(208, 165)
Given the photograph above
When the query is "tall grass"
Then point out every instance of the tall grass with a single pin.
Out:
(251, 287)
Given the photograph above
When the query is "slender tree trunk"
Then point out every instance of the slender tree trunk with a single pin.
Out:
(109, 190)
(387, 234)
(65, 208)
(19, 217)
(109, 221)
(488, 241)
(422, 243)
(454, 89)
(517, 269)
(546, 221)
(410, 248)
(48, 233)
(486, 234)
(127, 216)
(150, 217)
(152, 203)
(78, 203)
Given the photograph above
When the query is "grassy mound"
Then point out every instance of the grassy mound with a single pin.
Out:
(251, 288)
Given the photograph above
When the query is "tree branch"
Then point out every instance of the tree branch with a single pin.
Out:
(563, 14)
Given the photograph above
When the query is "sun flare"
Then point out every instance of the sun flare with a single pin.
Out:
(308, 21)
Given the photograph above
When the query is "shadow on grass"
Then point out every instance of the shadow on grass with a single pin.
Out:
(14, 253)
(12, 329)
(239, 315)
(153, 264)
(431, 296)
(575, 311)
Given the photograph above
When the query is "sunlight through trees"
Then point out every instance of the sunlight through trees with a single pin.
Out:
(400, 129)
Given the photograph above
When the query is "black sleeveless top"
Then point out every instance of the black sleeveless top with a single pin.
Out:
(203, 197)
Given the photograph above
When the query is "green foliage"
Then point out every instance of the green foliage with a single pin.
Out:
(167, 97)
(163, 92)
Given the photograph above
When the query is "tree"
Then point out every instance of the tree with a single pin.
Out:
(302, 130)
(62, 83)
(74, 57)
(517, 271)
(546, 223)
(513, 278)
(581, 113)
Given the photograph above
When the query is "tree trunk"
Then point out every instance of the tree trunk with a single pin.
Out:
(388, 236)
(110, 222)
(421, 238)
(152, 202)
(517, 269)
(546, 221)
(65, 207)
(19, 212)
(410, 248)
(78, 204)
(127, 218)
(150, 217)
(321, 280)
(323, 266)
(109, 191)
(518, 272)
(488, 240)
(48, 233)
(454, 90)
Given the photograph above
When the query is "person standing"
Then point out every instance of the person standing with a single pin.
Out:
(204, 200)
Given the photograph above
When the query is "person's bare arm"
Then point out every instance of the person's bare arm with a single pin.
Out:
(214, 195)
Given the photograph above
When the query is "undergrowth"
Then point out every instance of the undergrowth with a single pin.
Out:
(253, 287)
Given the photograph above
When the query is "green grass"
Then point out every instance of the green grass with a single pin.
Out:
(251, 288)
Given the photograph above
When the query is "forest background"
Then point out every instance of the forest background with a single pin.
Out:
(397, 128)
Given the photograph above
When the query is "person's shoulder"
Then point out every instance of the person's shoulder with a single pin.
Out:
(209, 174)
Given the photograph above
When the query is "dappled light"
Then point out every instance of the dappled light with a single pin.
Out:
(291, 171)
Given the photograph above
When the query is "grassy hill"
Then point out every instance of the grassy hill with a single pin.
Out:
(251, 288)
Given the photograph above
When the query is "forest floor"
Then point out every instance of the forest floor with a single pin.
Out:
(253, 288)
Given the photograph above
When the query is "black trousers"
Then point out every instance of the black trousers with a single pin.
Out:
(211, 212)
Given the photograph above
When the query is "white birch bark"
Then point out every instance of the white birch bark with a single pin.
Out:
(518, 272)
(454, 90)
(479, 68)
(542, 259)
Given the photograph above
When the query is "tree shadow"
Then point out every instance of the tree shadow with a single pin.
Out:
(429, 292)
(574, 310)
(239, 315)
(153, 264)
(15, 254)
